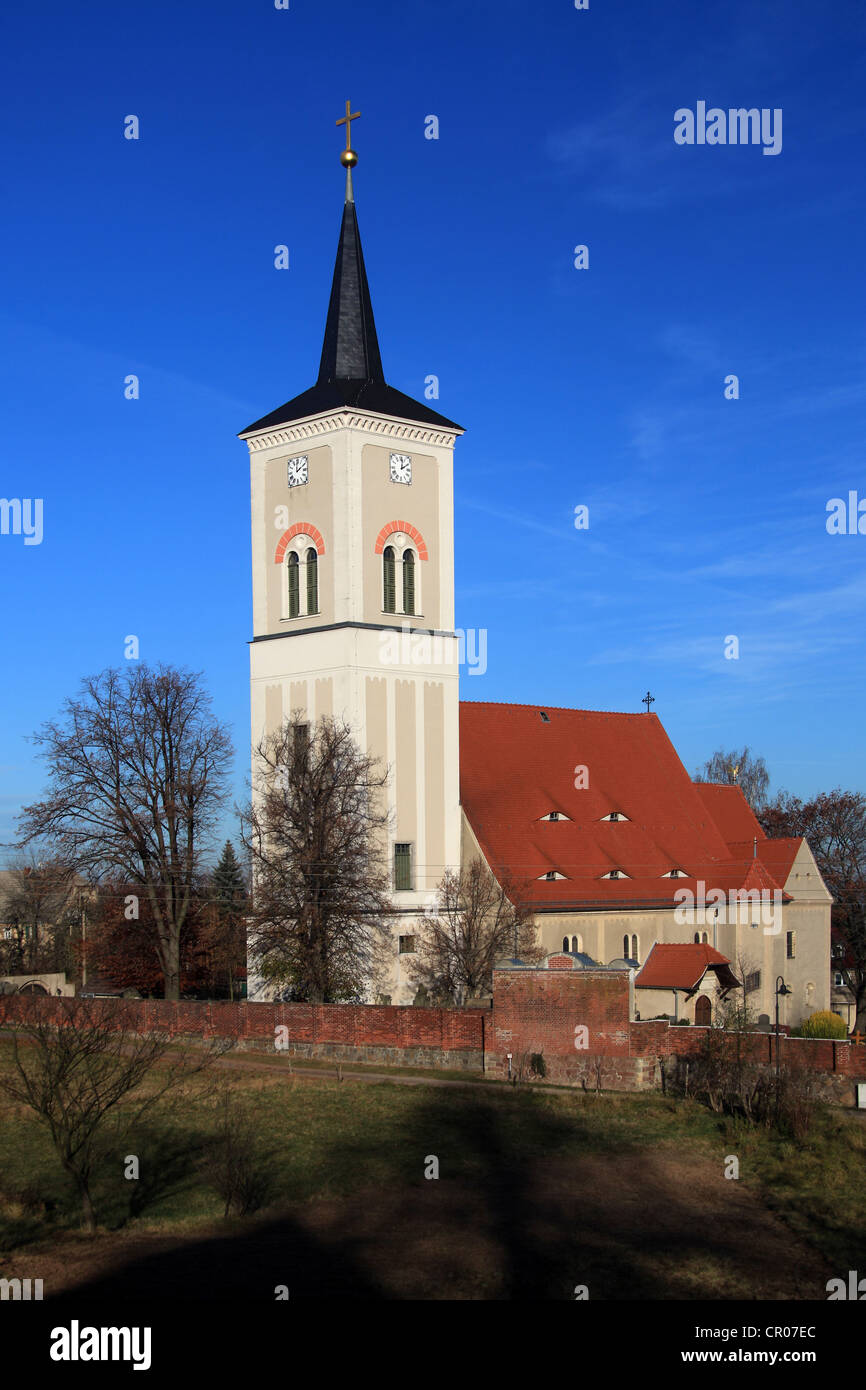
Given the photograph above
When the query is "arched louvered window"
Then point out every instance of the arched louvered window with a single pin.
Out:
(625, 947)
(294, 586)
(634, 949)
(577, 944)
(312, 581)
(390, 580)
(697, 938)
(565, 943)
(408, 581)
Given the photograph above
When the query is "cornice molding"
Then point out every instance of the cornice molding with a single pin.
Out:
(316, 425)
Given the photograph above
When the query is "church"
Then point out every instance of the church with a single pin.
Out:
(351, 486)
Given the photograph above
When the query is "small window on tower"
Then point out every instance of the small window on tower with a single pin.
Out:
(403, 868)
(407, 945)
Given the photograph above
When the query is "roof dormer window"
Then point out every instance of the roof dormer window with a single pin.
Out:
(615, 873)
(550, 876)
(555, 815)
(675, 873)
(615, 815)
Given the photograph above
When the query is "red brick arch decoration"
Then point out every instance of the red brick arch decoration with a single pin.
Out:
(391, 526)
(300, 528)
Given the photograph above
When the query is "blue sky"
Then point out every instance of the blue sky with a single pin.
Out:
(601, 387)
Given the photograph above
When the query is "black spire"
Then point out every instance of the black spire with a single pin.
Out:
(350, 351)
(350, 372)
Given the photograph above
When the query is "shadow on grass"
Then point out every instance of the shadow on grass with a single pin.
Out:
(489, 1227)
(534, 1197)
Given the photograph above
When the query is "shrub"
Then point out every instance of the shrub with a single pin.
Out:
(823, 1024)
(747, 1091)
(537, 1064)
(235, 1165)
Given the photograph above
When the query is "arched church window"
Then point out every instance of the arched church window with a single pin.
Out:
(294, 586)
(577, 944)
(697, 938)
(625, 947)
(634, 949)
(408, 582)
(312, 581)
(565, 943)
(390, 580)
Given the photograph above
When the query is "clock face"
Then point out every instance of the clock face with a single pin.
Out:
(298, 471)
(401, 468)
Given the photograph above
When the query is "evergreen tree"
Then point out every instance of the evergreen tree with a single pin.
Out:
(229, 888)
(227, 912)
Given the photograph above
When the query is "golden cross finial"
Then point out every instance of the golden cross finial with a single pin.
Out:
(347, 120)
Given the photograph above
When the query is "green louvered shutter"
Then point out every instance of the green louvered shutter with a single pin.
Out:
(403, 868)
(312, 582)
(409, 582)
(294, 587)
(390, 604)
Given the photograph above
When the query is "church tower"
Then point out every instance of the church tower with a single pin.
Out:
(351, 487)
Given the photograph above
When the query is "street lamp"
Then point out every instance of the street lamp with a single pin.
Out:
(781, 990)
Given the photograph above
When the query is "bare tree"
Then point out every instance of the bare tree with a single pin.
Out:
(75, 1061)
(137, 776)
(834, 824)
(742, 769)
(320, 917)
(36, 906)
(477, 919)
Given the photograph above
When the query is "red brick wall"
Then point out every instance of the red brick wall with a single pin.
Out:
(539, 1010)
(535, 1011)
(817, 1054)
(353, 1025)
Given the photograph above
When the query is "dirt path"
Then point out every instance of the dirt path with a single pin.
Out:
(329, 1073)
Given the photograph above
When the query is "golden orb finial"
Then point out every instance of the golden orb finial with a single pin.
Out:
(348, 159)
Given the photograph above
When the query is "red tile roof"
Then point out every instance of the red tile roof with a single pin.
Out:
(516, 767)
(681, 966)
(731, 812)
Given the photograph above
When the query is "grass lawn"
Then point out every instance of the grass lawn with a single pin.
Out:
(538, 1192)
